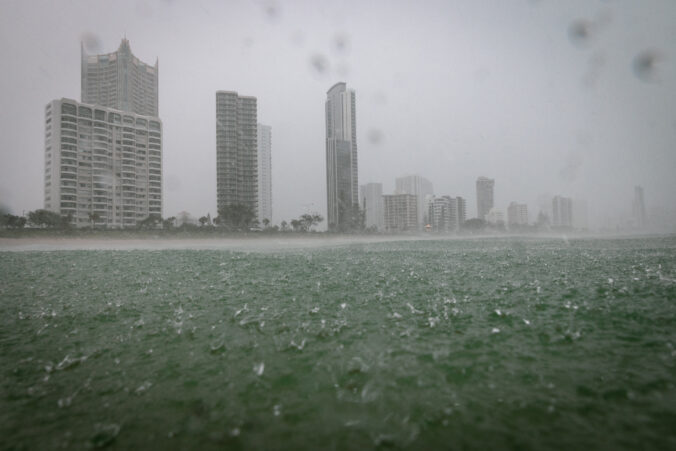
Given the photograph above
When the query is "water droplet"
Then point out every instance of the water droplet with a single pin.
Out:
(580, 32)
(319, 63)
(646, 65)
(375, 136)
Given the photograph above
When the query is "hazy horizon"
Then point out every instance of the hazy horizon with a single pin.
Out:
(546, 98)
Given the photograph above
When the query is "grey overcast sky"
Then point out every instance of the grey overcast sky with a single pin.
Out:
(547, 97)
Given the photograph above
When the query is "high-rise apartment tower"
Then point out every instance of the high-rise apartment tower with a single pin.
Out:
(341, 157)
(103, 167)
(264, 172)
(484, 196)
(236, 151)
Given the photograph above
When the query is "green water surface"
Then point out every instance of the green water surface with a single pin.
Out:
(458, 344)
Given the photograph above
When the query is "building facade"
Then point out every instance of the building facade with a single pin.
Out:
(264, 172)
(371, 202)
(484, 196)
(103, 167)
(462, 210)
(517, 214)
(562, 212)
(341, 157)
(400, 212)
(419, 187)
(121, 81)
(443, 214)
(236, 151)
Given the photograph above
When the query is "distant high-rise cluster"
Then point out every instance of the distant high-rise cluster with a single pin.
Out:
(264, 172)
(103, 155)
(484, 196)
(341, 157)
(236, 151)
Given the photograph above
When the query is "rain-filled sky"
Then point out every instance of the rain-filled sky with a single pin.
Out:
(576, 98)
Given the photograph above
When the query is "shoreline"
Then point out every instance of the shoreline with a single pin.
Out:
(261, 242)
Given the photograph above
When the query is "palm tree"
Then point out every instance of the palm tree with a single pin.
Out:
(94, 218)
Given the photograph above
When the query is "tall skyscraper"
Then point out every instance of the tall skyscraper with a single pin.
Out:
(121, 81)
(401, 212)
(236, 151)
(103, 155)
(264, 172)
(102, 166)
(371, 201)
(638, 208)
(484, 196)
(419, 187)
(341, 156)
(562, 211)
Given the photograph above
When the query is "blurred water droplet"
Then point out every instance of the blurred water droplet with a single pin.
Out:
(272, 10)
(580, 32)
(341, 43)
(646, 65)
(319, 63)
(91, 42)
(375, 136)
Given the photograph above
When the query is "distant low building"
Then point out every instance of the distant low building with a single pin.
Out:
(443, 214)
(562, 212)
(484, 196)
(401, 212)
(371, 202)
(638, 208)
(580, 214)
(418, 186)
(495, 217)
(517, 214)
(462, 210)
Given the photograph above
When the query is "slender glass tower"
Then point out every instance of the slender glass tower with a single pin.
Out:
(264, 172)
(342, 185)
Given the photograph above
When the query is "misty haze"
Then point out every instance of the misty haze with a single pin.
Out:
(338, 225)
